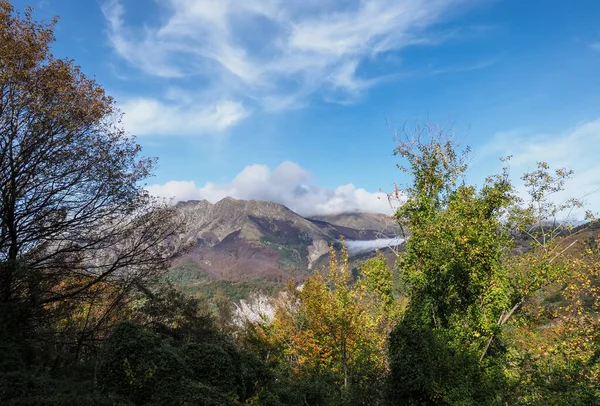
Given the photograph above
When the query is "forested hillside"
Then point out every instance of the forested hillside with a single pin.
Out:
(493, 299)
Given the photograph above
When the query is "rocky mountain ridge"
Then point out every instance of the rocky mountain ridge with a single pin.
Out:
(241, 240)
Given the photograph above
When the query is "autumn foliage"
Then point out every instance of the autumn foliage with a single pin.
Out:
(493, 300)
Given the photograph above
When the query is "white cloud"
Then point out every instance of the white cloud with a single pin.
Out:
(276, 52)
(595, 46)
(286, 184)
(148, 116)
(358, 246)
(576, 149)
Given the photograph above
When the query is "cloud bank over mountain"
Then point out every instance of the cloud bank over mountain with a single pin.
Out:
(287, 184)
(359, 247)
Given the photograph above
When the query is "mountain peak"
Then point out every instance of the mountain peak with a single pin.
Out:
(238, 239)
(193, 203)
(259, 207)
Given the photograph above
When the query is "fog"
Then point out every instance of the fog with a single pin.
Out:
(359, 247)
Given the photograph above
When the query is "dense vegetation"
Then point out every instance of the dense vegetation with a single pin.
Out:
(492, 301)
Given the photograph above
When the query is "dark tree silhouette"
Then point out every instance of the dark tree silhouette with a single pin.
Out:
(74, 212)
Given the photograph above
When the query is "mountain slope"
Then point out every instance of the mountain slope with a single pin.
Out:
(386, 225)
(249, 240)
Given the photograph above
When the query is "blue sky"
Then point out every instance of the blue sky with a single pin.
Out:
(291, 100)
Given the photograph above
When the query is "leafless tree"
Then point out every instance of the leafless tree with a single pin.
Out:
(73, 210)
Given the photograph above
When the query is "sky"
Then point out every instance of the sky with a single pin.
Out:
(297, 101)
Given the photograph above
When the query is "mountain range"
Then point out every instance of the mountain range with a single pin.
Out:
(249, 240)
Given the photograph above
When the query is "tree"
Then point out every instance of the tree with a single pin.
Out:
(503, 291)
(173, 354)
(331, 335)
(76, 224)
(452, 272)
(555, 340)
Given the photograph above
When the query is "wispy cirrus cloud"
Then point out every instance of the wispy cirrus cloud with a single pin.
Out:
(149, 116)
(465, 68)
(575, 148)
(275, 53)
(288, 184)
